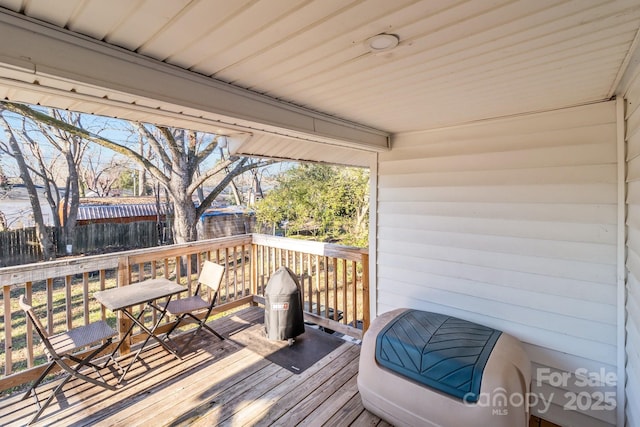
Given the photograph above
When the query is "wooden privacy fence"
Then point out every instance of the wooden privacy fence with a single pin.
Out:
(21, 246)
(132, 235)
(334, 278)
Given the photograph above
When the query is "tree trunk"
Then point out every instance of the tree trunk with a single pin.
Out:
(72, 199)
(185, 223)
(200, 190)
(184, 212)
(255, 194)
(142, 182)
(46, 244)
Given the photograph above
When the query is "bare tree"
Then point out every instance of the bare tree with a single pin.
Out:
(71, 149)
(178, 155)
(99, 175)
(12, 147)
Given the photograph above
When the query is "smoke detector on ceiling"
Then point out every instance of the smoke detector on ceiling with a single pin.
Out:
(382, 42)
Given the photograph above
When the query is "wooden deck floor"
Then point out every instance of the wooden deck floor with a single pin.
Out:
(222, 383)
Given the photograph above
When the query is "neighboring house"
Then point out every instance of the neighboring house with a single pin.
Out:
(503, 139)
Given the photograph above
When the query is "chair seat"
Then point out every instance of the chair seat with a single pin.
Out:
(62, 351)
(196, 309)
(82, 336)
(186, 305)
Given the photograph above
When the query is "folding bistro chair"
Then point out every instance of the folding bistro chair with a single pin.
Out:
(64, 350)
(190, 309)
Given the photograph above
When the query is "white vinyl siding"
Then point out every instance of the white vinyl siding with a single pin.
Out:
(633, 253)
(511, 223)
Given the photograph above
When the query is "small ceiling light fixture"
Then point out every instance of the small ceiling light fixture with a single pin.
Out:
(382, 42)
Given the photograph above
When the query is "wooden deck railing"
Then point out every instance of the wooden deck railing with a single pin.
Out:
(334, 280)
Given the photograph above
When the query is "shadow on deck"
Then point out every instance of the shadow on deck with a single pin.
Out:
(215, 383)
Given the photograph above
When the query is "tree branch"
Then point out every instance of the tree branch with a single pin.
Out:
(155, 145)
(206, 151)
(121, 149)
(209, 173)
(240, 168)
(172, 145)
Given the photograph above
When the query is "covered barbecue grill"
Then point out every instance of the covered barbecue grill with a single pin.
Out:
(283, 316)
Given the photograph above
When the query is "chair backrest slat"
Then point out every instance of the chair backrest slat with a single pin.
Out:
(42, 332)
(40, 329)
(211, 275)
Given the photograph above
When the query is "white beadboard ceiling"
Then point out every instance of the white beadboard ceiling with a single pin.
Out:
(457, 61)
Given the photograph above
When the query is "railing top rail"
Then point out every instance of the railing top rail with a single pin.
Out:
(151, 254)
(44, 270)
(307, 246)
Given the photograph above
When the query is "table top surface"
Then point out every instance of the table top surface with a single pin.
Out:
(137, 293)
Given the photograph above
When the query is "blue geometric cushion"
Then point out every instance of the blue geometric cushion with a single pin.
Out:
(439, 351)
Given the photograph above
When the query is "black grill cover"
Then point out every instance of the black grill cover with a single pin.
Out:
(283, 317)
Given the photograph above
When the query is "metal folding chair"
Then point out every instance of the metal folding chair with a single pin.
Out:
(190, 309)
(72, 351)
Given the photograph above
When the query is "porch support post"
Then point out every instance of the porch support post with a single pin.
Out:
(366, 312)
(373, 237)
(621, 262)
(123, 321)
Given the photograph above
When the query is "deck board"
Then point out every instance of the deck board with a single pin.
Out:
(220, 383)
(319, 396)
(280, 399)
(348, 413)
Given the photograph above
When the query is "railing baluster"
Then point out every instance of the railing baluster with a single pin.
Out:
(317, 289)
(310, 280)
(8, 344)
(130, 269)
(326, 287)
(189, 270)
(242, 266)
(154, 270)
(85, 297)
(103, 310)
(28, 293)
(335, 288)
(68, 281)
(226, 271)
(50, 305)
(345, 290)
(234, 272)
(354, 284)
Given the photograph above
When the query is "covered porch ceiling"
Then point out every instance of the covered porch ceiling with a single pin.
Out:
(296, 79)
